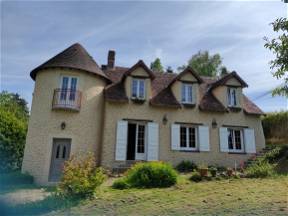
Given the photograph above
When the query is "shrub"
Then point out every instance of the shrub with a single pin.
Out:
(196, 177)
(120, 184)
(15, 178)
(80, 177)
(275, 154)
(213, 171)
(260, 170)
(186, 166)
(150, 175)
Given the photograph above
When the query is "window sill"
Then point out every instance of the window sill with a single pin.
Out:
(183, 150)
(188, 105)
(241, 153)
(234, 109)
(138, 100)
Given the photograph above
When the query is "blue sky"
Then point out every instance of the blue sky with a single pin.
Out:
(32, 32)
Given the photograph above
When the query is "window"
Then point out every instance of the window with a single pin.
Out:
(235, 140)
(186, 93)
(141, 139)
(188, 138)
(68, 88)
(232, 99)
(138, 88)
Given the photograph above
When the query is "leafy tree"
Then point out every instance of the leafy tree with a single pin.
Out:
(205, 64)
(279, 47)
(15, 104)
(156, 65)
(13, 127)
(223, 71)
(169, 69)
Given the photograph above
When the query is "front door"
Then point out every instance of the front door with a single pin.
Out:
(60, 153)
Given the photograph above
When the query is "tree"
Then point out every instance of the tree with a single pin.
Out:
(13, 127)
(13, 103)
(205, 64)
(223, 71)
(279, 47)
(156, 65)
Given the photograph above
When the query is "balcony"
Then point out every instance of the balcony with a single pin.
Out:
(67, 99)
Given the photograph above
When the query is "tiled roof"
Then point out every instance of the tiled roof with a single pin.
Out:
(163, 96)
(74, 57)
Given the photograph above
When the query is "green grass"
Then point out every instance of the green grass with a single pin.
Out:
(226, 197)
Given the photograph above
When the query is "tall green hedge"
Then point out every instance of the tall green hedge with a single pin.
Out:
(275, 126)
(12, 141)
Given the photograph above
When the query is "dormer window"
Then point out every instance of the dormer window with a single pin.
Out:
(186, 93)
(138, 89)
(232, 98)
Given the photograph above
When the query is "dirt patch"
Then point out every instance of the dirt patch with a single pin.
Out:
(24, 196)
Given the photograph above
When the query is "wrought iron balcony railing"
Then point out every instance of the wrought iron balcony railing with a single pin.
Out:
(67, 99)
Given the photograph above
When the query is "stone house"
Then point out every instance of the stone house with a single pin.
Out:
(126, 114)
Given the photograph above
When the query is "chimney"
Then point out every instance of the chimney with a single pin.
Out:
(111, 59)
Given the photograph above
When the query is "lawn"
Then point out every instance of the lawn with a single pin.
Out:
(222, 197)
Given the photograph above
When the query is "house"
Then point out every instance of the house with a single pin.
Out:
(125, 114)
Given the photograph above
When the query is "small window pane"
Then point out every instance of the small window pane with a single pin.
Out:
(141, 139)
(73, 88)
(64, 88)
(183, 137)
(237, 134)
(192, 138)
(230, 138)
(189, 90)
(58, 151)
(141, 89)
(134, 88)
(64, 152)
(183, 92)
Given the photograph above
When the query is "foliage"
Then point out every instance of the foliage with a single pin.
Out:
(205, 64)
(151, 175)
(275, 125)
(223, 71)
(279, 47)
(13, 103)
(260, 170)
(196, 177)
(12, 141)
(186, 166)
(15, 178)
(213, 171)
(80, 177)
(169, 69)
(121, 184)
(156, 65)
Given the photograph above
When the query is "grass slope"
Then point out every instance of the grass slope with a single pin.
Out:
(225, 197)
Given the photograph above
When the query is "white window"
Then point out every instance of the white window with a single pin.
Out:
(232, 98)
(138, 88)
(235, 140)
(186, 93)
(68, 88)
(188, 138)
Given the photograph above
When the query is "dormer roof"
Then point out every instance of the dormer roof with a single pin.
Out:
(139, 64)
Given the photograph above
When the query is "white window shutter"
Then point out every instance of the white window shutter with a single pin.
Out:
(121, 140)
(249, 140)
(223, 135)
(203, 132)
(153, 141)
(175, 136)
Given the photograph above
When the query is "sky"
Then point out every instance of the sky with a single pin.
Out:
(34, 31)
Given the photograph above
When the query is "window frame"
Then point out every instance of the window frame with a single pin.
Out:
(234, 149)
(69, 95)
(187, 141)
(138, 88)
(185, 93)
(232, 98)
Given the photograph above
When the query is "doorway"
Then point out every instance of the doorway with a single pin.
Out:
(136, 141)
(60, 153)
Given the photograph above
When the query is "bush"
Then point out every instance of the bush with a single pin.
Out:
(275, 154)
(213, 171)
(186, 166)
(121, 184)
(196, 177)
(80, 177)
(151, 175)
(260, 170)
(15, 178)
(12, 141)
